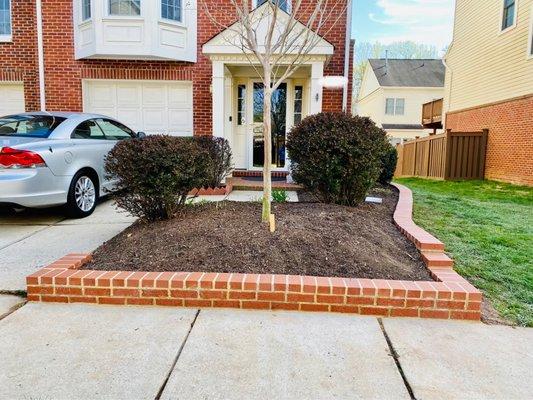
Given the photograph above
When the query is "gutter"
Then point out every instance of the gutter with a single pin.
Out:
(40, 54)
(347, 56)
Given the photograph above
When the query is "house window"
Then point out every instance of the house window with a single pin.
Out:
(509, 14)
(394, 106)
(85, 10)
(171, 9)
(241, 104)
(283, 4)
(125, 7)
(5, 18)
(298, 96)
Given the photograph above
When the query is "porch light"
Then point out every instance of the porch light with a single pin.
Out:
(333, 82)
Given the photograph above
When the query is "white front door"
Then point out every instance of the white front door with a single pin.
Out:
(280, 118)
(147, 106)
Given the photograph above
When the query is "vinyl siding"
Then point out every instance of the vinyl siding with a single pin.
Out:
(484, 65)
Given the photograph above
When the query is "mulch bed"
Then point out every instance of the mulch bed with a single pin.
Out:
(311, 239)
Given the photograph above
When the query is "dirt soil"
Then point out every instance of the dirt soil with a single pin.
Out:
(311, 239)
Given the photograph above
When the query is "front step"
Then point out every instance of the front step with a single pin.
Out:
(247, 173)
(240, 183)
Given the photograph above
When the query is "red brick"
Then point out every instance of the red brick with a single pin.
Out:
(404, 312)
(82, 299)
(271, 296)
(344, 309)
(40, 290)
(314, 307)
(442, 314)
(451, 305)
(300, 297)
(54, 299)
(330, 299)
(222, 281)
(88, 291)
(236, 281)
(374, 311)
(139, 301)
(213, 294)
(241, 295)
(169, 302)
(423, 303)
(323, 285)
(353, 287)
(256, 305)
(360, 300)
(111, 300)
(197, 303)
(163, 281)
(390, 302)
(65, 290)
(227, 303)
(266, 282)
(284, 306)
(185, 294)
(469, 315)
(154, 293)
(122, 292)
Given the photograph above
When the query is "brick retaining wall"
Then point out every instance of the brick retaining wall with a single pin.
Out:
(449, 296)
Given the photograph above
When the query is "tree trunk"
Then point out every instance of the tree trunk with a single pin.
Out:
(267, 137)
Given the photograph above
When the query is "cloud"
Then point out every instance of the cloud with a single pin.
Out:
(423, 21)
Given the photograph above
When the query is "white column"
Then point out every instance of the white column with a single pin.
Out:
(217, 92)
(317, 73)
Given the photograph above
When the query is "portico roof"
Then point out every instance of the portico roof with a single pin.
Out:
(228, 41)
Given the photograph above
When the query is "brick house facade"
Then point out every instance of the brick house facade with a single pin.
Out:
(509, 149)
(65, 73)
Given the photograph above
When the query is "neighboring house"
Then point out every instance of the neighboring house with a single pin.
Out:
(160, 66)
(393, 91)
(489, 83)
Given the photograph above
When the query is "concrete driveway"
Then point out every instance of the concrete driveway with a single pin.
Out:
(34, 238)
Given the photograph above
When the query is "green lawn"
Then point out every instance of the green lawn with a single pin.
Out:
(487, 227)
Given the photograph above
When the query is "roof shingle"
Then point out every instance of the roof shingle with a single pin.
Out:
(411, 73)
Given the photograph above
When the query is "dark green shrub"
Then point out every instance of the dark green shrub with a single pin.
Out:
(155, 174)
(279, 196)
(388, 164)
(336, 156)
(219, 159)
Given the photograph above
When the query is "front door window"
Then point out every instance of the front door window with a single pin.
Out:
(279, 122)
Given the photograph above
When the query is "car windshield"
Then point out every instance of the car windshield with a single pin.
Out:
(38, 126)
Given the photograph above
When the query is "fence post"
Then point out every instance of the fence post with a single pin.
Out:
(483, 153)
(415, 155)
(428, 156)
(448, 154)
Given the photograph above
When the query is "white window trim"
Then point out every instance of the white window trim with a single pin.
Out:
(515, 17)
(289, 5)
(8, 38)
(529, 50)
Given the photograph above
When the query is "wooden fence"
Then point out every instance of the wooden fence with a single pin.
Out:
(450, 155)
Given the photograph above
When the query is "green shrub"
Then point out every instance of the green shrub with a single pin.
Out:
(336, 156)
(155, 174)
(388, 164)
(279, 196)
(220, 163)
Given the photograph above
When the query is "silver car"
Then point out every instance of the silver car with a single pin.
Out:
(51, 159)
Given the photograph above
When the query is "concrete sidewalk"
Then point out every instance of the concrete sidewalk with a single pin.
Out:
(34, 238)
(107, 352)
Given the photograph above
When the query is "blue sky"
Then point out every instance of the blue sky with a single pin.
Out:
(422, 21)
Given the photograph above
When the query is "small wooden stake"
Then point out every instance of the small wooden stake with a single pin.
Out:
(272, 223)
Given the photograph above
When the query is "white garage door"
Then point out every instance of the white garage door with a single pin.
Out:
(11, 98)
(144, 106)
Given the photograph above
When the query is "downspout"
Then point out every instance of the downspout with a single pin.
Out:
(40, 54)
(347, 56)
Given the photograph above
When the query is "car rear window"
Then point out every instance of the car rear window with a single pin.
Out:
(38, 126)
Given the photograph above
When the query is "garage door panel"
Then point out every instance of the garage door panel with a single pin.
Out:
(151, 107)
(154, 95)
(102, 96)
(132, 116)
(180, 97)
(11, 98)
(128, 95)
(180, 121)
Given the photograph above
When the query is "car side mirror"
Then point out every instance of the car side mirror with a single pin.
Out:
(141, 135)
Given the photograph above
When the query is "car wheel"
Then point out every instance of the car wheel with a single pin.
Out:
(82, 195)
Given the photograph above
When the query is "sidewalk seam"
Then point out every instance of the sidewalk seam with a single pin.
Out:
(164, 384)
(396, 358)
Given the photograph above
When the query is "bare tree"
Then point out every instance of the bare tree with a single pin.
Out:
(277, 51)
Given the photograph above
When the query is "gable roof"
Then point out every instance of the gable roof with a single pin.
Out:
(227, 42)
(409, 73)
